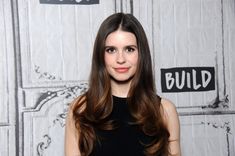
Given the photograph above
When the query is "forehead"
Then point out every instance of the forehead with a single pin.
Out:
(120, 37)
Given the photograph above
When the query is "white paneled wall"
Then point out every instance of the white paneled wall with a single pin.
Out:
(7, 82)
(45, 58)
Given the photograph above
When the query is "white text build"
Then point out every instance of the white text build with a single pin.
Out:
(186, 79)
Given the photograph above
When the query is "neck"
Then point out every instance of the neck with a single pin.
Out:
(120, 89)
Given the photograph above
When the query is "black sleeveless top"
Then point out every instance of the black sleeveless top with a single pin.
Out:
(126, 140)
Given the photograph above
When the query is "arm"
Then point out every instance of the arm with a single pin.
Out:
(71, 135)
(173, 125)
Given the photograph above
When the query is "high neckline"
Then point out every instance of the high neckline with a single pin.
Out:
(118, 97)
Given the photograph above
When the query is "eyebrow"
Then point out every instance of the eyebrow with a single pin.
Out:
(110, 46)
(131, 46)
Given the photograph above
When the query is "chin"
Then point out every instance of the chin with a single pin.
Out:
(122, 80)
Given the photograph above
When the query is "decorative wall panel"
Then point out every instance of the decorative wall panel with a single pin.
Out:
(44, 122)
(6, 55)
(191, 32)
(213, 135)
(7, 82)
(7, 143)
(45, 58)
(57, 40)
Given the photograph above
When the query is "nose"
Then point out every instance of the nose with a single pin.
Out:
(121, 58)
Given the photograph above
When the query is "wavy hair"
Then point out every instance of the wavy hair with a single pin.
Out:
(94, 107)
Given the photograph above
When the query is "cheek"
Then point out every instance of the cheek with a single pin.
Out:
(134, 60)
(107, 60)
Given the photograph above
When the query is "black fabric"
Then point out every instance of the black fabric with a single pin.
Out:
(126, 140)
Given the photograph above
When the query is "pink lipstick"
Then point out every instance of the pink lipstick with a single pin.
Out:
(121, 69)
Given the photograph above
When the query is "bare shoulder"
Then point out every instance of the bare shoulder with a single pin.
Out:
(72, 128)
(71, 108)
(169, 108)
(70, 120)
(171, 120)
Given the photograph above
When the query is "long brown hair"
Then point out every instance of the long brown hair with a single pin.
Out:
(96, 105)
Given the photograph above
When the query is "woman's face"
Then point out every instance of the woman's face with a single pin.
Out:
(121, 55)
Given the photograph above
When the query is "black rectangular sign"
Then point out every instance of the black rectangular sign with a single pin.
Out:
(82, 2)
(188, 79)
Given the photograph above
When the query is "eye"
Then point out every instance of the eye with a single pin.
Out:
(110, 50)
(130, 49)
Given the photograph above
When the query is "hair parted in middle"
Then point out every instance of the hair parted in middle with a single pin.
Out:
(144, 103)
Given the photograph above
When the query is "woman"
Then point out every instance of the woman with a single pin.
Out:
(121, 114)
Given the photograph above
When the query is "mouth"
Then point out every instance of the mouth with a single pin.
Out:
(121, 69)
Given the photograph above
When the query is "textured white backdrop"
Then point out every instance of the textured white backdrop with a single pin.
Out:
(45, 56)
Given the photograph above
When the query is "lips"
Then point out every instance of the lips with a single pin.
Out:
(121, 69)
